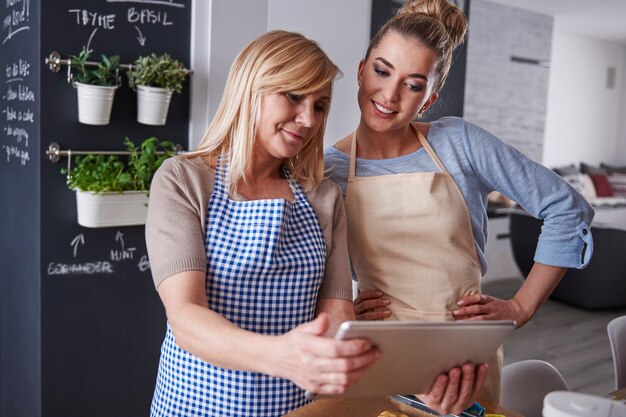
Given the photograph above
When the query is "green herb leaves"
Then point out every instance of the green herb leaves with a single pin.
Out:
(107, 173)
(157, 71)
(105, 73)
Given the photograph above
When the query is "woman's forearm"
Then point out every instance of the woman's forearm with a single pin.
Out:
(205, 333)
(537, 287)
(338, 310)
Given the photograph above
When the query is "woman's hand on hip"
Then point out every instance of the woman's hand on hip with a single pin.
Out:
(456, 390)
(371, 305)
(320, 364)
(487, 307)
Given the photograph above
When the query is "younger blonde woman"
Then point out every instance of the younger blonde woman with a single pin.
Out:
(416, 193)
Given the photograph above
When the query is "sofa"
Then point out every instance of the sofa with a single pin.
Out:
(599, 184)
(602, 284)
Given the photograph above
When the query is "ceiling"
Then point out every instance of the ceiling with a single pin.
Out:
(599, 19)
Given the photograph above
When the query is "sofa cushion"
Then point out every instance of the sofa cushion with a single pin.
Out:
(590, 169)
(613, 169)
(601, 184)
(618, 184)
(589, 190)
(566, 170)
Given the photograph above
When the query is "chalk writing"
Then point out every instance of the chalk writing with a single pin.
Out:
(11, 113)
(143, 264)
(159, 2)
(122, 255)
(23, 93)
(18, 93)
(17, 18)
(89, 268)
(14, 152)
(94, 19)
(19, 115)
(17, 132)
(97, 267)
(20, 68)
(147, 16)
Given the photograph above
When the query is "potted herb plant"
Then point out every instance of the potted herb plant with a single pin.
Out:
(113, 192)
(155, 78)
(96, 85)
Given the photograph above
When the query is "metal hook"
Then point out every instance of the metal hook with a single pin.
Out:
(70, 76)
(69, 166)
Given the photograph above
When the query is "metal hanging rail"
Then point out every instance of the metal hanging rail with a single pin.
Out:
(55, 153)
(55, 61)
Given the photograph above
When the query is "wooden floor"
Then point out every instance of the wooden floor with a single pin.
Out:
(574, 340)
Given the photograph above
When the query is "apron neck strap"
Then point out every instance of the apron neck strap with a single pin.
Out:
(429, 149)
(352, 171)
(420, 137)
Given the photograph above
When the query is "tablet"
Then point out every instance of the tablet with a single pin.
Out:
(416, 352)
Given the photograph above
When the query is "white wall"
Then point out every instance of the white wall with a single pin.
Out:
(199, 81)
(341, 28)
(584, 119)
(620, 149)
(223, 27)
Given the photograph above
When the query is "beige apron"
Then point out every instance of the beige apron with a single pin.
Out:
(410, 236)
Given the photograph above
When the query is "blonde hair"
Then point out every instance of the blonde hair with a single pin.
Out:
(436, 24)
(275, 62)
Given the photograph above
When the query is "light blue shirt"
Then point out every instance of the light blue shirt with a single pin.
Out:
(480, 163)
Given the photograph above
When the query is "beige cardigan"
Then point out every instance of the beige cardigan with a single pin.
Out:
(175, 227)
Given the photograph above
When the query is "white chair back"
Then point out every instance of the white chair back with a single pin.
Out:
(526, 383)
(617, 338)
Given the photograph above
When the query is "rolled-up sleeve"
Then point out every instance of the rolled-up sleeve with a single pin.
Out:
(565, 238)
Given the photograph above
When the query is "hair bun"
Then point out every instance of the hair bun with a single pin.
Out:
(450, 16)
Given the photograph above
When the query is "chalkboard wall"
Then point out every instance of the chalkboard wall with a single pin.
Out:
(19, 201)
(80, 321)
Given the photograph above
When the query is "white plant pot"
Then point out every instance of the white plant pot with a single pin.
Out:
(95, 103)
(128, 208)
(152, 105)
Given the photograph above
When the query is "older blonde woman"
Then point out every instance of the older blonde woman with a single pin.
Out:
(248, 250)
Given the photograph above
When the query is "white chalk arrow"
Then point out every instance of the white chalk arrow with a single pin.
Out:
(88, 47)
(80, 239)
(140, 38)
(119, 237)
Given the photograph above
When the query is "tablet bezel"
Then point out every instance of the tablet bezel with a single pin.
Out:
(443, 344)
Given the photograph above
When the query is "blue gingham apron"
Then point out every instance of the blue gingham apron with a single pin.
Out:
(265, 264)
